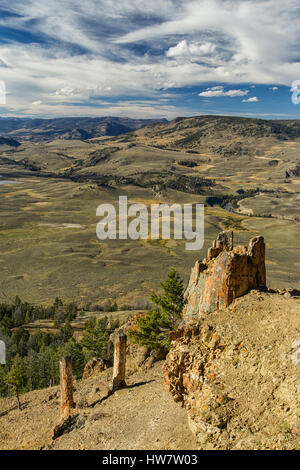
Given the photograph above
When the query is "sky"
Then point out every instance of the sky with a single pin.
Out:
(150, 58)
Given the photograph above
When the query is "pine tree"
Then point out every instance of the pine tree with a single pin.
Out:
(171, 302)
(28, 317)
(16, 378)
(73, 349)
(153, 329)
(95, 338)
(3, 381)
(66, 331)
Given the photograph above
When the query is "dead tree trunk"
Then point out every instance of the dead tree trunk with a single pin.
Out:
(66, 387)
(119, 361)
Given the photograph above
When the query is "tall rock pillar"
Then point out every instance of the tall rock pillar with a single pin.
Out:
(227, 273)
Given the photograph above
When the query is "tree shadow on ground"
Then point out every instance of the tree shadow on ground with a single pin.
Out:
(112, 391)
(23, 405)
(295, 293)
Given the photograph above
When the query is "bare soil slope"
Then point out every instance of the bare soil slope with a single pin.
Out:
(141, 416)
(237, 371)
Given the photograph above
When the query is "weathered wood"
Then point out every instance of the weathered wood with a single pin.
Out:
(66, 387)
(119, 369)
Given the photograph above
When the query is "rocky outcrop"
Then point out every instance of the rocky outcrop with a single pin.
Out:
(94, 367)
(235, 372)
(232, 362)
(227, 273)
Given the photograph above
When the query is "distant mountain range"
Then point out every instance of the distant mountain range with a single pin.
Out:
(38, 130)
(181, 133)
(185, 132)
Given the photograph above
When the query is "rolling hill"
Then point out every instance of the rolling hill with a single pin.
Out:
(37, 130)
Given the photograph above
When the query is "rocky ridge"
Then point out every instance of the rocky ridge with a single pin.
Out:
(234, 363)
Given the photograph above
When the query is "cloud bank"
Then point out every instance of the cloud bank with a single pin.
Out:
(66, 57)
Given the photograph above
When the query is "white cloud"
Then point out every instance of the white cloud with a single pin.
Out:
(219, 91)
(274, 88)
(192, 49)
(253, 99)
(136, 47)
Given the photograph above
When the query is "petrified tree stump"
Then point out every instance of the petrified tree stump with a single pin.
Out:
(66, 387)
(119, 361)
(66, 398)
(62, 426)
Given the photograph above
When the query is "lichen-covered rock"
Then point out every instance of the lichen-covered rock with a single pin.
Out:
(234, 372)
(227, 273)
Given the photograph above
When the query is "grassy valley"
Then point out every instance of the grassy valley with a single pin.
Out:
(242, 170)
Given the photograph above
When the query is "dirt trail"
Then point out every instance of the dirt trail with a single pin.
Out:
(141, 416)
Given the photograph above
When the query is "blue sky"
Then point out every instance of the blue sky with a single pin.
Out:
(146, 59)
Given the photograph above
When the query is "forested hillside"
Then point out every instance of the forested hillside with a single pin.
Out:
(32, 359)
